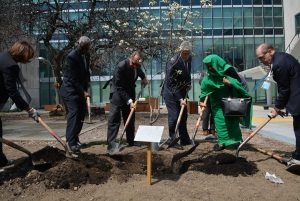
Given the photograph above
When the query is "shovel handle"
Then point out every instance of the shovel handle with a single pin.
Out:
(179, 117)
(88, 104)
(53, 133)
(14, 145)
(252, 135)
(277, 157)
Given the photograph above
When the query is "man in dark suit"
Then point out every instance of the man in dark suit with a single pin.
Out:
(74, 90)
(21, 52)
(176, 86)
(286, 72)
(122, 98)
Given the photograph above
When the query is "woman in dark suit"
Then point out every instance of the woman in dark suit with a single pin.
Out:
(21, 52)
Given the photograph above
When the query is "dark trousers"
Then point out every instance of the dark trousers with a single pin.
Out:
(76, 108)
(173, 114)
(114, 122)
(3, 159)
(296, 125)
(207, 118)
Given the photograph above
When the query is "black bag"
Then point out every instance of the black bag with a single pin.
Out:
(238, 107)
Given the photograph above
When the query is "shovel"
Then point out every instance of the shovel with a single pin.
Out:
(34, 161)
(88, 104)
(117, 147)
(252, 135)
(198, 121)
(291, 167)
(54, 134)
(176, 128)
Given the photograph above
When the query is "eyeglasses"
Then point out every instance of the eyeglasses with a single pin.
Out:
(262, 56)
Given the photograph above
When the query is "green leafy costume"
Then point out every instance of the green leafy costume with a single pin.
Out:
(228, 128)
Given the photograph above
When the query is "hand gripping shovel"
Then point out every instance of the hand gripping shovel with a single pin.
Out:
(291, 166)
(176, 128)
(252, 135)
(198, 121)
(54, 134)
(34, 161)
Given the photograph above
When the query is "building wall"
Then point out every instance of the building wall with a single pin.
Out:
(291, 8)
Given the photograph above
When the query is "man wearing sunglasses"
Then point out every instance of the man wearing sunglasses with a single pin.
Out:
(122, 97)
(286, 72)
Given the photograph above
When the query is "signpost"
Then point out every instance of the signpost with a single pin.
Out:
(149, 134)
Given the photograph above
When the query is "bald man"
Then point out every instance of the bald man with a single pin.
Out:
(286, 72)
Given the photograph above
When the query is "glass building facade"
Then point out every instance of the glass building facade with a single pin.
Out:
(230, 28)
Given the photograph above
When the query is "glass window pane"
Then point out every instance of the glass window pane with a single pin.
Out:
(278, 22)
(258, 31)
(206, 12)
(248, 12)
(227, 32)
(238, 22)
(248, 22)
(257, 11)
(237, 12)
(268, 31)
(278, 31)
(227, 22)
(248, 31)
(217, 22)
(247, 2)
(267, 11)
(207, 32)
(217, 12)
(226, 2)
(267, 2)
(277, 11)
(258, 22)
(257, 2)
(238, 31)
(217, 32)
(207, 23)
(268, 22)
(236, 2)
(227, 12)
(277, 2)
(216, 2)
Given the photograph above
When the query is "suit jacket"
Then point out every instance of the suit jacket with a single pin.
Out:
(178, 78)
(76, 75)
(9, 76)
(123, 83)
(286, 72)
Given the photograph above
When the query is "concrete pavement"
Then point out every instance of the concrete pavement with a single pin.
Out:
(279, 128)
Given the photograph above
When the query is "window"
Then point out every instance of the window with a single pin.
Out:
(227, 22)
(278, 22)
(268, 22)
(248, 31)
(217, 12)
(247, 2)
(268, 11)
(227, 32)
(258, 21)
(248, 22)
(257, 11)
(258, 31)
(226, 2)
(248, 12)
(267, 2)
(269, 32)
(277, 12)
(297, 21)
(227, 12)
(217, 22)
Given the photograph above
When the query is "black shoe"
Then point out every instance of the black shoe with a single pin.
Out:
(6, 163)
(218, 147)
(296, 155)
(75, 149)
(185, 143)
(177, 146)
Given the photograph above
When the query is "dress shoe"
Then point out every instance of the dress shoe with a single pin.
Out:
(218, 147)
(74, 149)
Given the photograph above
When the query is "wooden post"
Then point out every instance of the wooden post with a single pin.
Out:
(149, 163)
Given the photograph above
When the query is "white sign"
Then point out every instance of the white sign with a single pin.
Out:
(149, 133)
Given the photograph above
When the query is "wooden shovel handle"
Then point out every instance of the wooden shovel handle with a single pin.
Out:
(14, 145)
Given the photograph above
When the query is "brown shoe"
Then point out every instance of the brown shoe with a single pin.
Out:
(205, 132)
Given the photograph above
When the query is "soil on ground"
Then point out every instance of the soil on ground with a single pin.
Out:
(177, 174)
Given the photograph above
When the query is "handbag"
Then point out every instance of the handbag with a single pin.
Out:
(236, 107)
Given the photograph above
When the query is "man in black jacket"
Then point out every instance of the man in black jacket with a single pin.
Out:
(286, 72)
(176, 86)
(21, 52)
(122, 98)
(74, 90)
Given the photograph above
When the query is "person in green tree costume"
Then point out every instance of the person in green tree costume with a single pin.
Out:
(223, 81)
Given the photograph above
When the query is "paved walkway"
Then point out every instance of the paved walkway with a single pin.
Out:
(278, 128)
